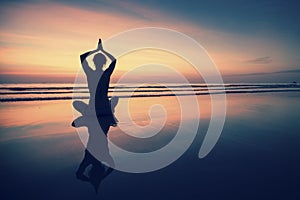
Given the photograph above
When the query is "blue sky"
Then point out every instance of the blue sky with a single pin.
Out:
(243, 37)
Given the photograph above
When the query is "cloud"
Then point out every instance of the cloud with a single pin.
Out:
(295, 71)
(260, 60)
(287, 71)
(283, 76)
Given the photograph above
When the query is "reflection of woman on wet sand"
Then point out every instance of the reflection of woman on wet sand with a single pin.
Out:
(97, 144)
(98, 112)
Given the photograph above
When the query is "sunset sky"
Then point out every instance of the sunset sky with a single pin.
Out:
(250, 41)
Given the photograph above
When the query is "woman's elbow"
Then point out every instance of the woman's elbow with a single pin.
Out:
(82, 57)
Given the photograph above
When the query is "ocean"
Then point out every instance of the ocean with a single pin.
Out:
(50, 91)
(256, 157)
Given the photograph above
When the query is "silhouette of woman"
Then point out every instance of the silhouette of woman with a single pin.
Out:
(98, 81)
(98, 84)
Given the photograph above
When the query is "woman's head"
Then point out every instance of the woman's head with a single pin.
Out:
(99, 60)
